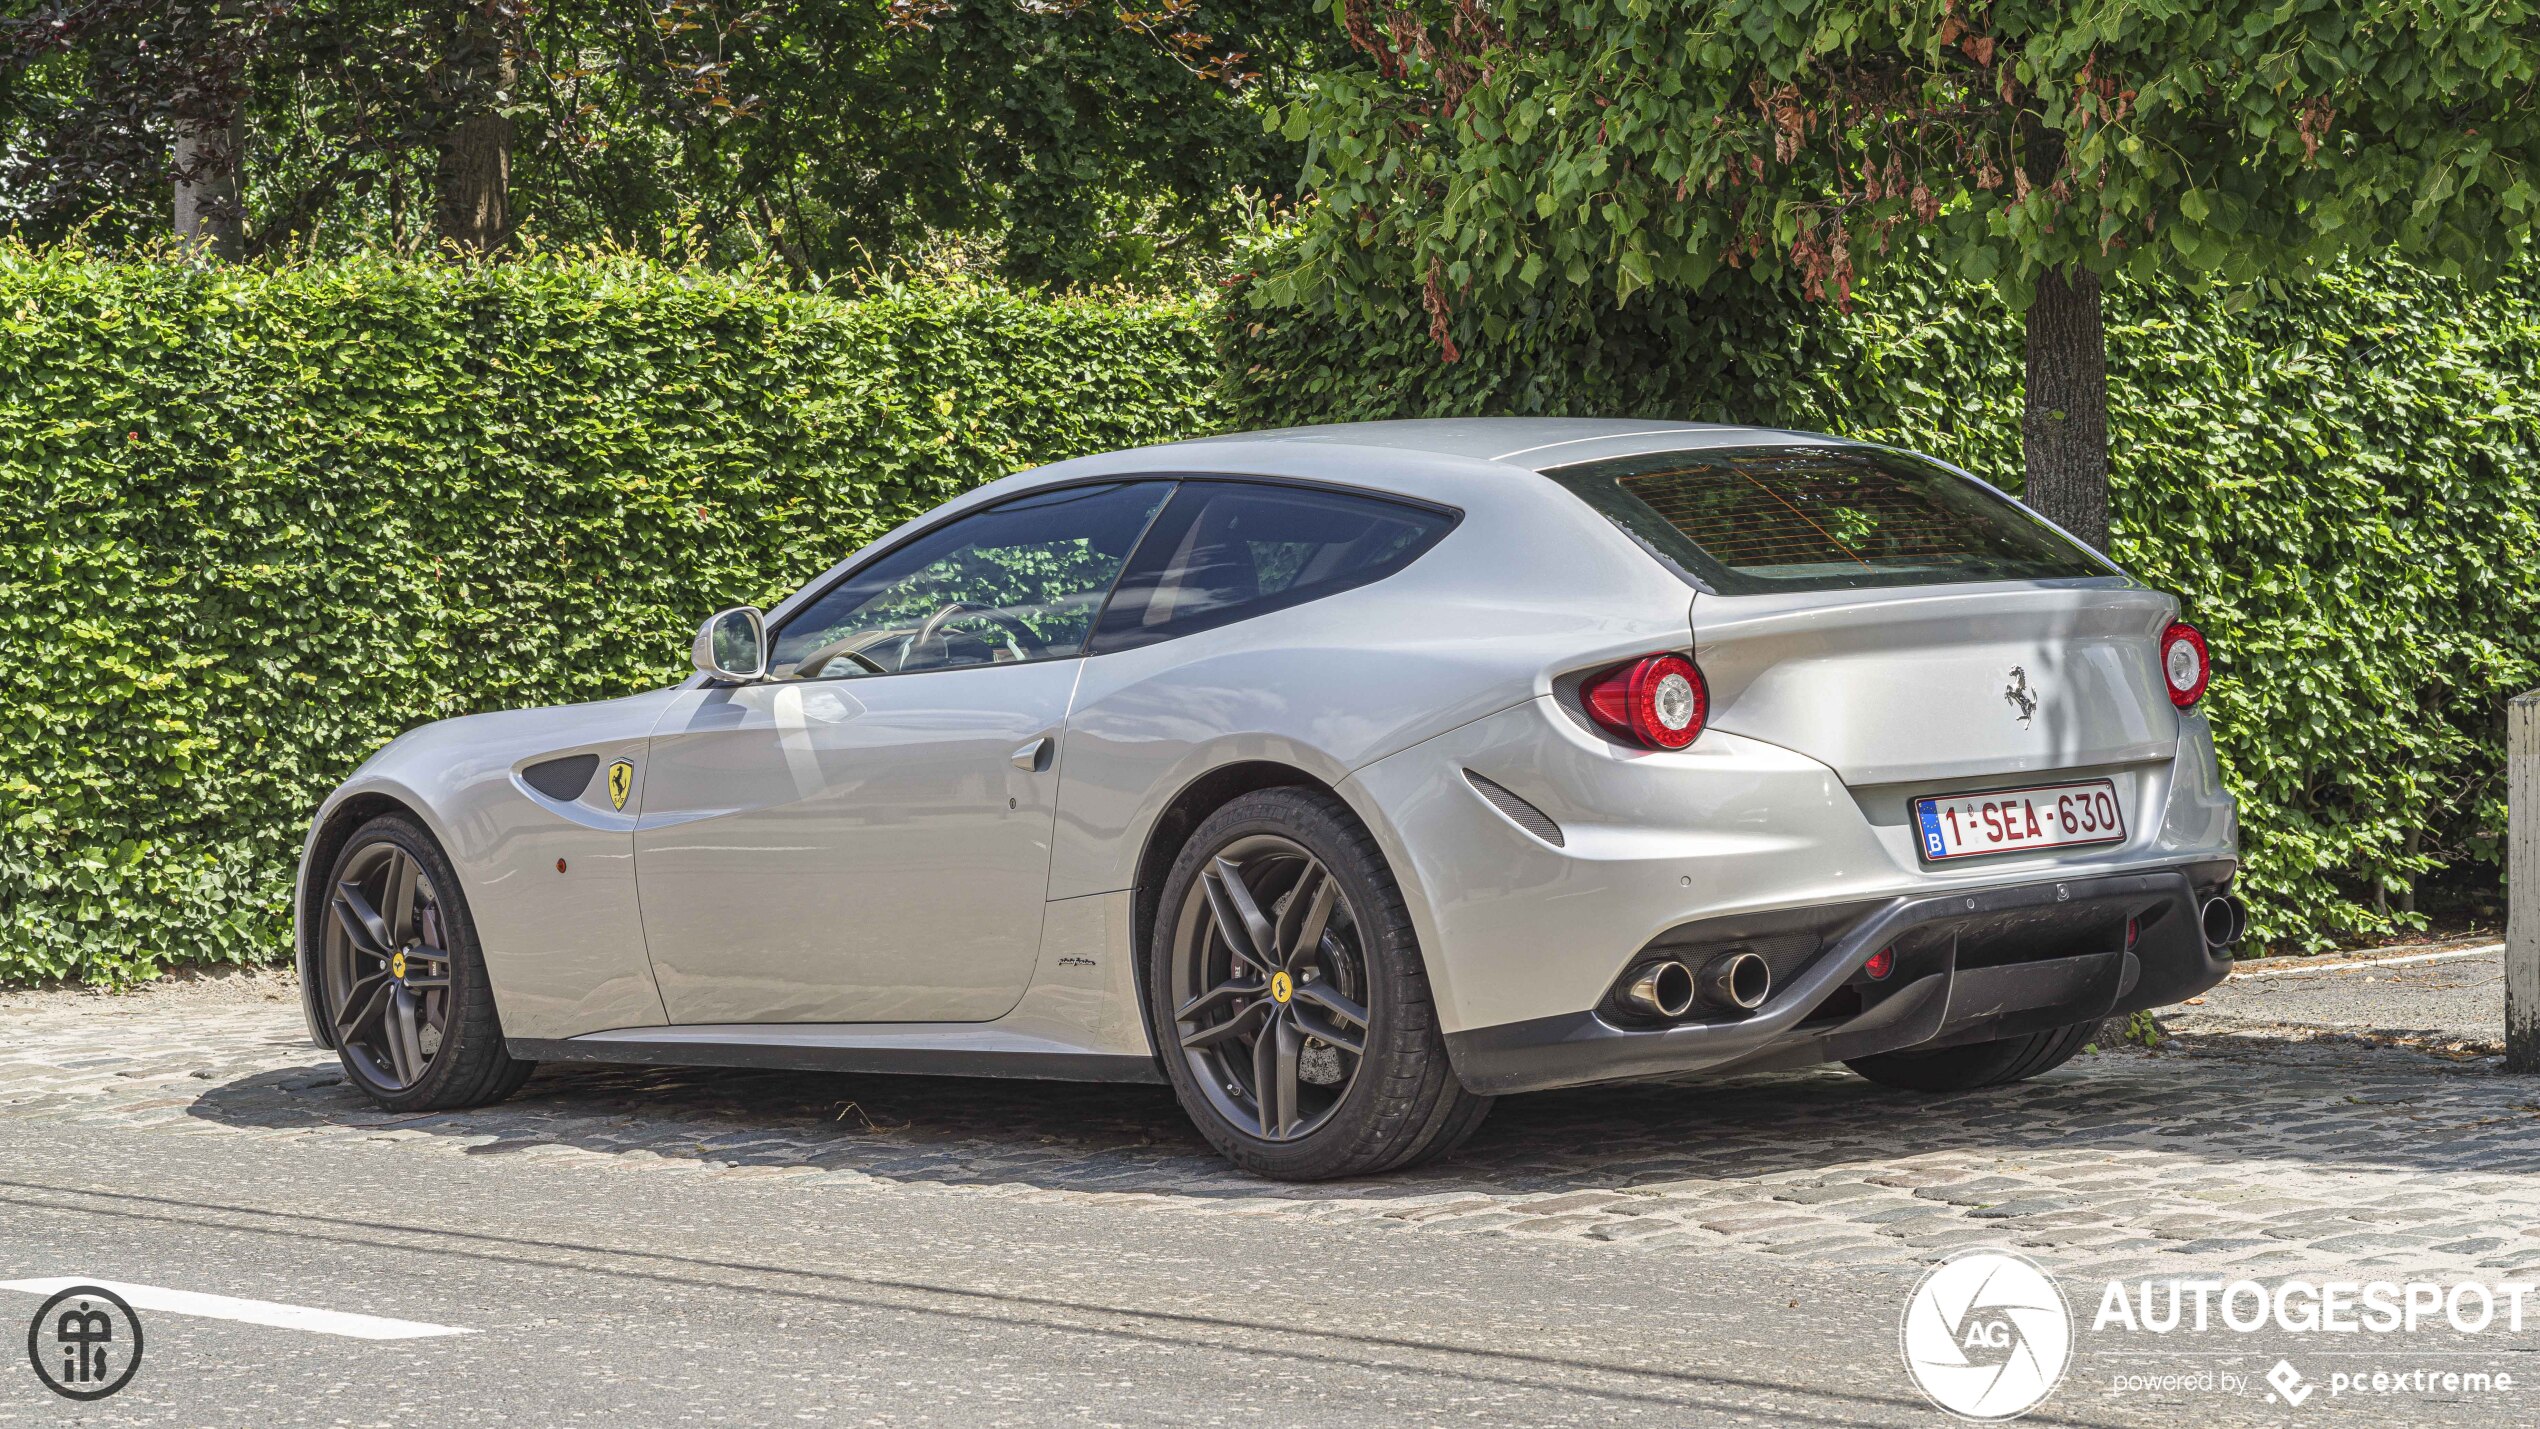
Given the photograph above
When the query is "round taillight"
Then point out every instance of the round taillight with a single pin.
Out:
(2185, 663)
(1881, 963)
(1657, 700)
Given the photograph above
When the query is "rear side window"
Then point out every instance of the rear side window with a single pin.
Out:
(1224, 551)
(1751, 520)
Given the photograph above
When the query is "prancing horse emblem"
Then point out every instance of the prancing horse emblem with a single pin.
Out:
(621, 782)
(2020, 696)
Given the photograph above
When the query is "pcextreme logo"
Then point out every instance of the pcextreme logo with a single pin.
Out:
(1987, 1334)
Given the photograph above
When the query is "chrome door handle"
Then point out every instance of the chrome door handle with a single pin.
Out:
(1034, 756)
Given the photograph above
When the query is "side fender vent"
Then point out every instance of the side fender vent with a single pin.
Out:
(1526, 816)
(562, 780)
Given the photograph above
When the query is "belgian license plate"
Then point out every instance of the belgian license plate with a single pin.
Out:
(2009, 820)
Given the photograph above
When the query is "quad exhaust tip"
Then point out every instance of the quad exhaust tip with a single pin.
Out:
(1737, 980)
(1665, 989)
(2226, 920)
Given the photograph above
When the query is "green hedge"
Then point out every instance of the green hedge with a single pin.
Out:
(253, 524)
(2338, 478)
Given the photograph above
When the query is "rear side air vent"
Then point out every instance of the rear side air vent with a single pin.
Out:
(1533, 820)
(562, 779)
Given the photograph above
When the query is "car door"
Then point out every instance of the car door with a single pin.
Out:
(865, 835)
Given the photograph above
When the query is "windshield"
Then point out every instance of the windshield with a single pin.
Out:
(1750, 520)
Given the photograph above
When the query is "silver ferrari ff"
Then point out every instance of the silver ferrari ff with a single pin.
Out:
(1343, 778)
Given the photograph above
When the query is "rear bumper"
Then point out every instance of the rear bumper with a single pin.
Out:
(1521, 918)
(1828, 1011)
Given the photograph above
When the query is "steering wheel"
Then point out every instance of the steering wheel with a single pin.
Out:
(810, 666)
(932, 632)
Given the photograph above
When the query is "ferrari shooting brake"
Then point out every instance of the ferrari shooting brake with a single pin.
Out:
(1344, 778)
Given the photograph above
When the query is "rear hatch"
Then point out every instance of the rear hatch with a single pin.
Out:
(1946, 684)
(1893, 619)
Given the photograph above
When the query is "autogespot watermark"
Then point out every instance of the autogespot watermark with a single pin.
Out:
(1989, 1335)
(2377, 1307)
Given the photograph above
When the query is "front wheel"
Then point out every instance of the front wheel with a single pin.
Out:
(401, 978)
(1288, 991)
(1978, 1064)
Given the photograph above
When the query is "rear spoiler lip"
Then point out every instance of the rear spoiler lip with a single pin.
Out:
(2128, 606)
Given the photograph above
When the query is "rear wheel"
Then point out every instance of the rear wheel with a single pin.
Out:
(1287, 988)
(402, 980)
(1978, 1064)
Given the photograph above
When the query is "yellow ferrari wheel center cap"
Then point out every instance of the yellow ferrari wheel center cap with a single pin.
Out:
(1282, 987)
(397, 965)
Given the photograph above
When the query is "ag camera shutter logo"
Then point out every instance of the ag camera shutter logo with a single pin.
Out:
(1987, 1335)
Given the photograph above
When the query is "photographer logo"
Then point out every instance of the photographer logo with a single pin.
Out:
(85, 1343)
(1987, 1335)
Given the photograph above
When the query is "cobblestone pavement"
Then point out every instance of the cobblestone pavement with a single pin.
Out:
(2251, 1153)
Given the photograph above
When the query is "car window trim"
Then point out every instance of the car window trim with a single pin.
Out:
(1453, 516)
(804, 600)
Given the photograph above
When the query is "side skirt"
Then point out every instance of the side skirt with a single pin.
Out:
(917, 1049)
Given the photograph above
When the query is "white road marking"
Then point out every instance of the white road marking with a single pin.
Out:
(250, 1312)
(2479, 951)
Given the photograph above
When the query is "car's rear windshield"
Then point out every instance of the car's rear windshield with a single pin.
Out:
(1747, 520)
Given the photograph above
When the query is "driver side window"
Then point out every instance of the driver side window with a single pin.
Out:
(1019, 581)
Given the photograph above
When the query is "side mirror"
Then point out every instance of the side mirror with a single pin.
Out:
(732, 645)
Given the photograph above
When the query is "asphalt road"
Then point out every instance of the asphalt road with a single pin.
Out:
(607, 1299)
(604, 1279)
(2450, 995)
(598, 1298)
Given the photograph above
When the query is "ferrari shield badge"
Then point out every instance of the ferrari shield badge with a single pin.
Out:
(621, 782)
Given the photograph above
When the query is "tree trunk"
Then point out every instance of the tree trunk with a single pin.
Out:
(2522, 884)
(209, 216)
(475, 170)
(2064, 427)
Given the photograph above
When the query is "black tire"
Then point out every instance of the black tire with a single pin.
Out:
(1398, 1103)
(1978, 1064)
(438, 967)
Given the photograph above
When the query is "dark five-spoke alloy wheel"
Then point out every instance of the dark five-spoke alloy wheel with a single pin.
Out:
(401, 979)
(1267, 988)
(1295, 1014)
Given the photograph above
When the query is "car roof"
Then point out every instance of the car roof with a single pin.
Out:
(1465, 462)
(1533, 443)
(1462, 462)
